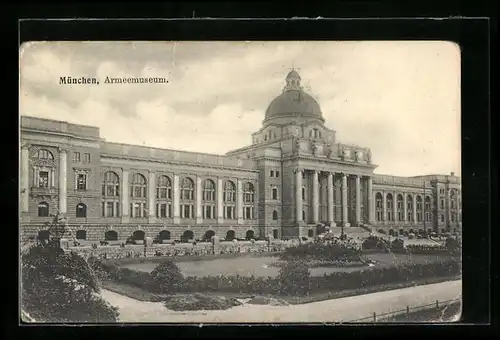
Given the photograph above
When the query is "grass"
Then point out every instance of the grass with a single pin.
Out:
(144, 295)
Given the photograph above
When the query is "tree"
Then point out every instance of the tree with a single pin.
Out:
(167, 276)
(59, 286)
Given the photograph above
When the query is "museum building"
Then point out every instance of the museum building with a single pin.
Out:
(293, 180)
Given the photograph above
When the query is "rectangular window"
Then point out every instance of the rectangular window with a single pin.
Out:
(86, 158)
(103, 190)
(137, 210)
(109, 207)
(163, 210)
(277, 174)
(81, 182)
(117, 209)
(43, 179)
(76, 157)
(103, 209)
(441, 204)
(271, 173)
(187, 211)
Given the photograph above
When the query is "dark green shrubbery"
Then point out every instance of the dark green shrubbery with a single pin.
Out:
(374, 242)
(167, 276)
(293, 278)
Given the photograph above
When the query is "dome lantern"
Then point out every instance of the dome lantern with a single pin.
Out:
(293, 81)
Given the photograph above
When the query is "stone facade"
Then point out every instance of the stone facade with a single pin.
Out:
(292, 178)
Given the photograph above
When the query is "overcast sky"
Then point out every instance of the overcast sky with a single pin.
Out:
(401, 99)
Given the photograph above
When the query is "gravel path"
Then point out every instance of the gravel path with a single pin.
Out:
(337, 310)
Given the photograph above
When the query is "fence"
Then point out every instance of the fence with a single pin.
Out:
(386, 316)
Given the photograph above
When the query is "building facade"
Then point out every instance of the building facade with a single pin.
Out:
(294, 178)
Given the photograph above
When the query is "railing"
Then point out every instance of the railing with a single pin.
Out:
(385, 316)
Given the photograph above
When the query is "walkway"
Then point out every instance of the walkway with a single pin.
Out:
(337, 310)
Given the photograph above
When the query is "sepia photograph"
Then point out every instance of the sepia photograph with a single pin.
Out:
(240, 182)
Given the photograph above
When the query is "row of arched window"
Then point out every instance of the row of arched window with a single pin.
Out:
(44, 211)
(379, 208)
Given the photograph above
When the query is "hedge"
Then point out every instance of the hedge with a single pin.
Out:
(284, 285)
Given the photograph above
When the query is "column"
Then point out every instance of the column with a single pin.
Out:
(298, 195)
(331, 219)
(358, 200)
(152, 196)
(384, 205)
(199, 195)
(24, 178)
(345, 222)
(239, 201)
(63, 181)
(125, 197)
(395, 206)
(315, 198)
(371, 208)
(414, 209)
(405, 208)
(220, 201)
(176, 200)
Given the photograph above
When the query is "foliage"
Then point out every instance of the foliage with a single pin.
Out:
(167, 275)
(398, 244)
(374, 242)
(330, 250)
(61, 287)
(294, 278)
(198, 301)
(453, 245)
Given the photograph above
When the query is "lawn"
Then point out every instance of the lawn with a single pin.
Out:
(262, 266)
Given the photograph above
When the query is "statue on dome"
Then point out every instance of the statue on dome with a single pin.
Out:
(369, 156)
(356, 156)
(314, 148)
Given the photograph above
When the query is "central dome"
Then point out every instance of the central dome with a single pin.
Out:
(293, 102)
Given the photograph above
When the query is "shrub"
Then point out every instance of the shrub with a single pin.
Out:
(167, 276)
(199, 302)
(294, 278)
(374, 242)
(397, 244)
(61, 287)
(453, 245)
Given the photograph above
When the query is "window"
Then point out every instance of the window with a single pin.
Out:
(275, 215)
(209, 211)
(419, 209)
(187, 189)
(442, 218)
(453, 217)
(110, 206)
(163, 210)
(76, 157)
(187, 210)
(248, 213)
(441, 204)
(452, 202)
(303, 194)
(43, 179)
(229, 212)
(303, 215)
(209, 190)
(379, 206)
(409, 204)
(43, 209)
(81, 182)
(275, 193)
(428, 209)
(229, 192)
(441, 191)
(390, 207)
(164, 188)
(86, 158)
(45, 154)
(248, 193)
(277, 174)
(138, 186)
(138, 209)
(271, 174)
(81, 210)
(400, 208)
(81, 234)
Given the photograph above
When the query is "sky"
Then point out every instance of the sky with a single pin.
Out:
(401, 99)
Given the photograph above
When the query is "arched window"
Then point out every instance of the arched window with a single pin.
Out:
(110, 204)
(164, 197)
(187, 197)
(45, 154)
(111, 235)
(138, 235)
(43, 209)
(138, 186)
(230, 235)
(248, 201)
(419, 208)
(400, 207)
(138, 193)
(249, 234)
(409, 208)
(428, 209)
(275, 193)
(229, 200)
(164, 235)
(81, 210)
(379, 206)
(208, 199)
(81, 235)
(187, 235)
(275, 215)
(390, 207)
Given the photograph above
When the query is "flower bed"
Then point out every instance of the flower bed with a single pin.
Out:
(283, 285)
(183, 302)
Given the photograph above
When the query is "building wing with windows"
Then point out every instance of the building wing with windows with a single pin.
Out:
(293, 178)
